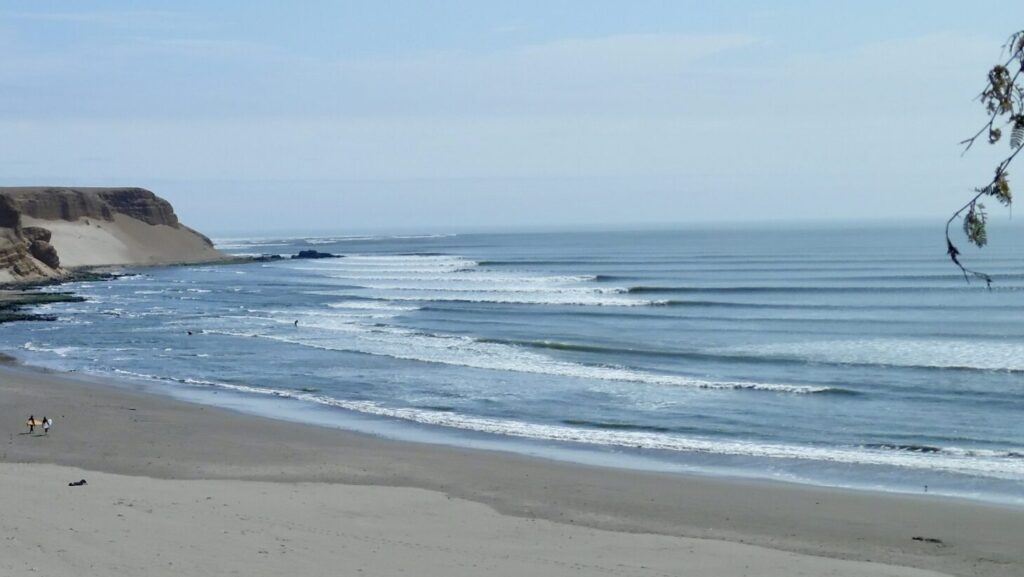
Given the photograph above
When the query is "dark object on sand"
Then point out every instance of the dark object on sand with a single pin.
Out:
(315, 254)
(77, 483)
(929, 540)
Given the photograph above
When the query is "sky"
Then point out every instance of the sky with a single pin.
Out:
(461, 115)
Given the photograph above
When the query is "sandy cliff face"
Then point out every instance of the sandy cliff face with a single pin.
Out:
(46, 230)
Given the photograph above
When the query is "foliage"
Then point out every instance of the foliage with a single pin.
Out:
(1003, 99)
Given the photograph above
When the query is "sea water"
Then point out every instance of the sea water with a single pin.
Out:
(855, 357)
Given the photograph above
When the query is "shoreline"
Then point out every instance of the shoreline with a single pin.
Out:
(109, 273)
(115, 430)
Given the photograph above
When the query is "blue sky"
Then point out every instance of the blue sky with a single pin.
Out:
(461, 115)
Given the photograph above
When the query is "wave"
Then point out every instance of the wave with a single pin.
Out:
(842, 307)
(535, 262)
(445, 278)
(399, 259)
(915, 353)
(471, 277)
(392, 263)
(59, 351)
(371, 305)
(239, 245)
(555, 299)
(370, 237)
(992, 464)
(615, 426)
(802, 289)
(959, 451)
(507, 288)
(406, 344)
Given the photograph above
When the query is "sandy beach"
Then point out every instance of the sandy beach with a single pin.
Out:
(176, 488)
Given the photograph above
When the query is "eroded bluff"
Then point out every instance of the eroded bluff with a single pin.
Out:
(26, 252)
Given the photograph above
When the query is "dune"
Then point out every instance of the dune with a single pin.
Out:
(123, 240)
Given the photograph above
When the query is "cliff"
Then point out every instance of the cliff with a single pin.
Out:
(44, 231)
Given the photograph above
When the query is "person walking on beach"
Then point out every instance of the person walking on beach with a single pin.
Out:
(31, 423)
(46, 425)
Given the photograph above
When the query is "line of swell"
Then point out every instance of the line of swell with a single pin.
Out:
(736, 358)
(827, 307)
(670, 303)
(561, 368)
(803, 289)
(538, 262)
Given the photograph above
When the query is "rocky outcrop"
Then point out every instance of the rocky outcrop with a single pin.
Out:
(44, 253)
(314, 254)
(43, 228)
(34, 233)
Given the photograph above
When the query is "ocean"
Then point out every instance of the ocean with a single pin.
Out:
(841, 356)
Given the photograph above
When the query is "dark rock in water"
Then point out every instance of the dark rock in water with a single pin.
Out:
(315, 254)
(12, 303)
(267, 257)
(45, 253)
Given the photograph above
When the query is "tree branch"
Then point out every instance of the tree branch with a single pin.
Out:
(1002, 97)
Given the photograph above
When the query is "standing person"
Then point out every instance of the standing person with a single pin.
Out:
(46, 425)
(31, 423)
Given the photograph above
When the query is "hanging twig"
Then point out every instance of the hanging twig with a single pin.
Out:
(1003, 98)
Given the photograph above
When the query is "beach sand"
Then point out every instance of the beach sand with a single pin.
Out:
(182, 489)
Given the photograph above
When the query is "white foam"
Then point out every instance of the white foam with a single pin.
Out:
(475, 288)
(357, 238)
(243, 244)
(992, 464)
(460, 276)
(455, 279)
(59, 351)
(347, 334)
(544, 298)
(371, 305)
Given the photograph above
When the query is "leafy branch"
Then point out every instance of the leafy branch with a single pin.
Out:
(1003, 99)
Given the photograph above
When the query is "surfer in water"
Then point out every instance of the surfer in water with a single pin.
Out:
(296, 322)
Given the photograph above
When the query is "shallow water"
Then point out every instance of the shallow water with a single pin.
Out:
(853, 357)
